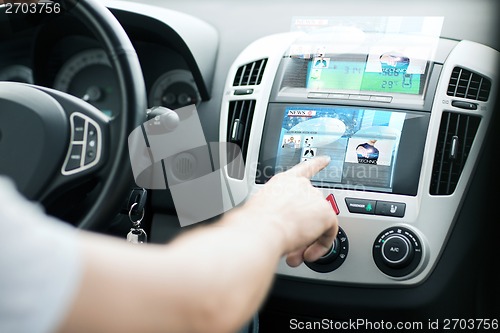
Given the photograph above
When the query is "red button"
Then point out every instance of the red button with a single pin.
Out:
(331, 200)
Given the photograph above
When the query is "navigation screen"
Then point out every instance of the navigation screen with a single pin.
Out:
(389, 72)
(362, 143)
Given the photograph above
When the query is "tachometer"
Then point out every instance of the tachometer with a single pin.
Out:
(89, 75)
(174, 89)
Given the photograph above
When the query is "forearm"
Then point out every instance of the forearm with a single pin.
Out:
(234, 262)
(209, 280)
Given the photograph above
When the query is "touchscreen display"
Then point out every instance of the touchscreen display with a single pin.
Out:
(363, 144)
(388, 73)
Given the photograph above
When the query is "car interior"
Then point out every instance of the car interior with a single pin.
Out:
(401, 95)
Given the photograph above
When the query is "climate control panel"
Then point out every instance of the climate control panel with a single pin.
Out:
(397, 251)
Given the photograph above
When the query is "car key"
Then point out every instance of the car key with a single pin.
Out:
(136, 235)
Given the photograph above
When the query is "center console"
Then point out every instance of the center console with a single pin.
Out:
(403, 130)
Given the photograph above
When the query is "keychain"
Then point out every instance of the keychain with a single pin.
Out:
(136, 235)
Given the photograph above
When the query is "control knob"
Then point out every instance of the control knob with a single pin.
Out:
(397, 251)
(334, 257)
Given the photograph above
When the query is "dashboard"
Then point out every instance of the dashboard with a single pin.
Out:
(71, 60)
(437, 228)
(391, 131)
(403, 99)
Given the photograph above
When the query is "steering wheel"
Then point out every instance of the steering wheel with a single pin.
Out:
(52, 143)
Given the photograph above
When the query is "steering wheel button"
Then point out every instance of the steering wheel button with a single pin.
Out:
(90, 151)
(74, 158)
(91, 131)
(78, 126)
(90, 157)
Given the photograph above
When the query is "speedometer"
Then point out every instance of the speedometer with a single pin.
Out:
(89, 76)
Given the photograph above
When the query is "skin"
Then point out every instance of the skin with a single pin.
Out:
(212, 278)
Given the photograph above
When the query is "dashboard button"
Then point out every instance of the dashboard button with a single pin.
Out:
(464, 105)
(387, 208)
(396, 250)
(358, 97)
(338, 96)
(382, 99)
(360, 206)
(239, 92)
(317, 95)
(331, 199)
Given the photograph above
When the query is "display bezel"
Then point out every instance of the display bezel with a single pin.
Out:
(406, 170)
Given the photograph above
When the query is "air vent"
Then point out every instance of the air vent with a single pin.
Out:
(466, 84)
(240, 117)
(456, 134)
(250, 74)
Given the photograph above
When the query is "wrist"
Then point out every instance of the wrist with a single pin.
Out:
(267, 227)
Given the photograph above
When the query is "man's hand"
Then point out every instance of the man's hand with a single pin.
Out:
(306, 220)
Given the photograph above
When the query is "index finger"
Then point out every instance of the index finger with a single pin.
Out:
(310, 167)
